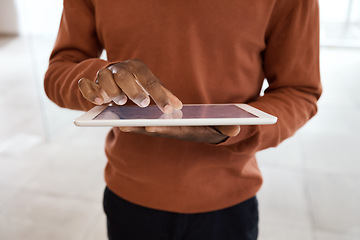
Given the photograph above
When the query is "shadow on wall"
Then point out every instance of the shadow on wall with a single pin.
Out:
(8, 18)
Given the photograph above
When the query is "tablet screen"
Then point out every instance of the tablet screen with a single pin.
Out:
(187, 112)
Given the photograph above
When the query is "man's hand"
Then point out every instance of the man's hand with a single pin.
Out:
(133, 80)
(203, 134)
(129, 79)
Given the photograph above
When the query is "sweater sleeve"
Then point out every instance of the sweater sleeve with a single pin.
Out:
(75, 55)
(291, 67)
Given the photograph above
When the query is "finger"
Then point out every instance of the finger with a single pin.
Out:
(138, 130)
(151, 84)
(133, 129)
(125, 80)
(104, 95)
(106, 81)
(175, 102)
(90, 91)
(176, 114)
(168, 131)
(188, 133)
(231, 130)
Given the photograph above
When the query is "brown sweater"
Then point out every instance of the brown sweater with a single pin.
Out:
(204, 52)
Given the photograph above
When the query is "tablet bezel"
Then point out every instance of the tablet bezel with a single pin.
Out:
(262, 118)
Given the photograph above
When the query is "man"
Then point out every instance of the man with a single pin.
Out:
(187, 182)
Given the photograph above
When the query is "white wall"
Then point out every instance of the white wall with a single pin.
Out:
(8, 17)
(338, 11)
(35, 17)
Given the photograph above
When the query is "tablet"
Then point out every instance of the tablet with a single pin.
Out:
(189, 115)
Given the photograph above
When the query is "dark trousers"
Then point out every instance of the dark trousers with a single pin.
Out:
(127, 221)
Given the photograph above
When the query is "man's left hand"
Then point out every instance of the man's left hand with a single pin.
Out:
(205, 134)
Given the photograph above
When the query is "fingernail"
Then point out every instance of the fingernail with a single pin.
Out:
(168, 109)
(150, 129)
(98, 101)
(120, 101)
(145, 102)
(124, 129)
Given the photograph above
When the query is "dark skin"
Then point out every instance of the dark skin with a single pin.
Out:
(133, 80)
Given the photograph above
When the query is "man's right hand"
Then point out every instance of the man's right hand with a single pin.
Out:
(129, 79)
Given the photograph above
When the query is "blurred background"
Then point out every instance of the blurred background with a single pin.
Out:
(51, 173)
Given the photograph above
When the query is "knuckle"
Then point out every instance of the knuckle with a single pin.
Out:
(103, 76)
(81, 83)
(103, 72)
(151, 83)
(121, 73)
(136, 62)
(101, 80)
(139, 66)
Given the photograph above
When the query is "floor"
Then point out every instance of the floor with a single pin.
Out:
(51, 172)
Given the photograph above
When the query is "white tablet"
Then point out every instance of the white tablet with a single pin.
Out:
(189, 115)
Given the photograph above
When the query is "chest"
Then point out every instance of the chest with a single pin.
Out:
(214, 22)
